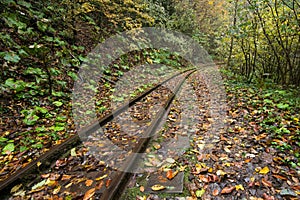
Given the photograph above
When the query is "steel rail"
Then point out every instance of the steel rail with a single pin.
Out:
(45, 160)
(119, 181)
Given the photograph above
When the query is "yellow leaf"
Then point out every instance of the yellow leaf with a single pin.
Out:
(101, 177)
(50, 182)
(16, 188)
(239, 187)
(182, 168)
(69, 185)
(149, 60)
(221, 173)
(56, 190)
(264, 170)
(157, 187)
(38, 163)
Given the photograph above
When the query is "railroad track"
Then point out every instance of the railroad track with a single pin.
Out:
(120, 177)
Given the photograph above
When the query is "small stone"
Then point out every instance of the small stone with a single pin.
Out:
(287, 192)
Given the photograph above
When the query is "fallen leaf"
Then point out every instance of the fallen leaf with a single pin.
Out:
(266, 183)
(157, 187)
(50, 182)
(156, 146)
(73, 152)
(264, 170)
(56, 190)
(38, 185)
(280, 177)
(239, 187)
(16, 188)
(296, 180)
(45, 175)
(221, 173)
(69, 185)
(20, 193)
(296, 187)
(226, 149)
(227, 190)
(204, 178)
(170, 160)
(141, 198)
(200, 193)
(214, 178)
(142, 188)
(89, 194)
(88, 182)
(215, 192)
(107, 183)
(65, 177)
(170, 174)
(266, 197)
(101, 177)
(99, 185)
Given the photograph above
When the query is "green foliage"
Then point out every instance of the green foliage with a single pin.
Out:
(9, 148)
(10, 56)
(264, 41)
(32, 116)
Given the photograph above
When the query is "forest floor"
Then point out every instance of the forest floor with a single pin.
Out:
(254, 156)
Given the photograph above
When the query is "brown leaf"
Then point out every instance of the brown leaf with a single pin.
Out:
(60, 163)
(45, 175)
(65, 177)
(251, 184)
(227, 190)
(214, 178)
(89, 194)
(100, 185)
(215, 192)
(88, 182)
(170, 174)
(279, 177)
(296, 187)
(204, 178)
(107, 183)
(200, 157)
(54, 177)
(266, 183)
(257, 183)
(266, 197)
(142, 188)
(296, 180)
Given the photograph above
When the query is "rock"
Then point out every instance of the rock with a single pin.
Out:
(288, 192)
